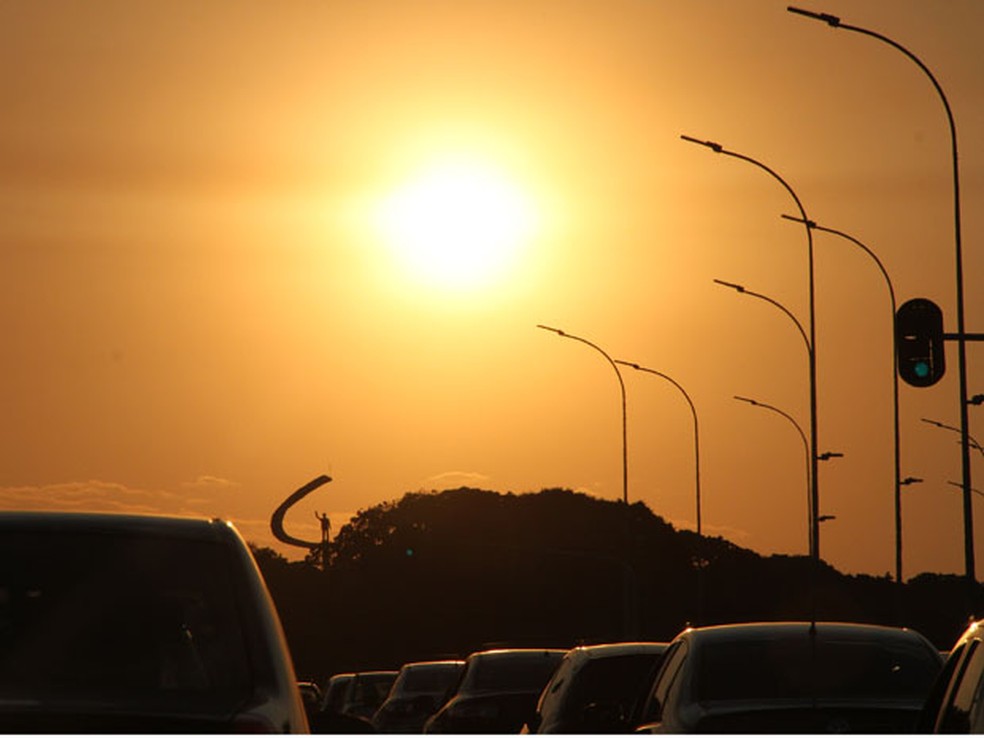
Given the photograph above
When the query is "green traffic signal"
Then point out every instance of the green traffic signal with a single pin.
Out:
(919, 342)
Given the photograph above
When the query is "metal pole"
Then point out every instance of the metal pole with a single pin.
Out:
(621, 384)
(719, 149)
(814, 456)
(806, 448)
(895, 388)
(969, 558)
(693, 412)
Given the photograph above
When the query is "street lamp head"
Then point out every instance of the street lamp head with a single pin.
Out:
(749, 400)
(715, 147)
(831, 20)
(552, 330)
(910, 480)
(732, 285)
(796, 219)
(825, 518)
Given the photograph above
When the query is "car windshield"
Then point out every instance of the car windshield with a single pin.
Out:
(119, 622)
(434, 679)
(512, 672)
(784, 668)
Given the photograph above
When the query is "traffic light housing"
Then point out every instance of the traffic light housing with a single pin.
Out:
(919, 342)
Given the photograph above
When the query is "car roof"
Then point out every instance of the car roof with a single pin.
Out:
(825, 630)
(166, 525)
(605, 650)
(496, 653)
(376, 674)
(414, 665)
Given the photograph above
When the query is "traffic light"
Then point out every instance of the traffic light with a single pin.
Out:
(919, 342)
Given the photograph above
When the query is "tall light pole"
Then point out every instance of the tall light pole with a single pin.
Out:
(895, 385)
(693, 413)
(814, 456)
(961, 337)
(719, 149)
(809, 466)
(621, 384)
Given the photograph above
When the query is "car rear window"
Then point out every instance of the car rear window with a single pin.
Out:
(429, 679)
(512, 672)
(612, 679)
(119, 622)
(785, 668)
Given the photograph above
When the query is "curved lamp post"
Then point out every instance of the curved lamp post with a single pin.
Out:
(835, 22)
(621, 384)
(693, 412)
(972, 442)
(809, 466)
(895, 384)
(719, 149)
(813, 456)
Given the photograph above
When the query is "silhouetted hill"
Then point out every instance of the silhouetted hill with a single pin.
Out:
(445, 573)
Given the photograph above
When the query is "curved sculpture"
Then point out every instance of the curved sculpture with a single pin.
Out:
(277, 519)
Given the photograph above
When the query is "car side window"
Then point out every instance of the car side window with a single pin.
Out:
(967, 694)
(665, 679)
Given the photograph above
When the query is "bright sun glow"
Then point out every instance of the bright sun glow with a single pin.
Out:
(457, 224)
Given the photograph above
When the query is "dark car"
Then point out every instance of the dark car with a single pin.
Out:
(138, 624)
(333, 694)
(596, 688)
(792, 678)
(366, 691)
(956, 702)
(415, 695)
(311, 697)
(497, 692)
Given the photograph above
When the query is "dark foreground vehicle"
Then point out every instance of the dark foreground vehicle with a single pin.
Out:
(415, 695)
(497, 692)
(792, 678)
(138, 624)
(956, 703)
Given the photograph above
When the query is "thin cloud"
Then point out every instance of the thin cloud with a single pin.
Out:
(100, 496)
(457, 479)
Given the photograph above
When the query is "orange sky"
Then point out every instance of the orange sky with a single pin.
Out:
(199, 313)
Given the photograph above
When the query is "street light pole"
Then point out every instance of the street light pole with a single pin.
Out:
(693, 412)
(813, 455)
(621, 384)
(961, 337)
(971, 441)
(895, 385)
(719, 149)
(806, 449)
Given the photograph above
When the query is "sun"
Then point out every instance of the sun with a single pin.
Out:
(457, 224)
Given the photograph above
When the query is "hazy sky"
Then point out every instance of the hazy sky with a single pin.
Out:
(214, 282)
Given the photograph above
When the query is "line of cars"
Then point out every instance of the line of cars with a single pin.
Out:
(144, 624)
(785, 677)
